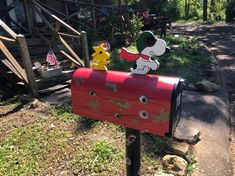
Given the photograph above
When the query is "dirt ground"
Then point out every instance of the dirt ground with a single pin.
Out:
(217, 145)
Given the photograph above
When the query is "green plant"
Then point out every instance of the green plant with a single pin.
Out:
(116, 63)
(62, 112)
(192, 164)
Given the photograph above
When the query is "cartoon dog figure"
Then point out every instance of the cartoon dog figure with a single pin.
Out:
(147, 46)
(100, 57)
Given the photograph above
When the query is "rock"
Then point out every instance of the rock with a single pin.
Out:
(52, 125)
(162, 174)
(65, 173)
(175, 165)
(34, 104)
(188, 134)
(25, 98)
(181, 149)
(175, 47)
(207, 86)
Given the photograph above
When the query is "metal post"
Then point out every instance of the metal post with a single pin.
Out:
(85, 51)
(132, 152)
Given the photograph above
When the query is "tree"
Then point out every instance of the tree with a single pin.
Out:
(205, 3)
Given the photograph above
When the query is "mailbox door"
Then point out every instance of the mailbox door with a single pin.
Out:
(135, 101)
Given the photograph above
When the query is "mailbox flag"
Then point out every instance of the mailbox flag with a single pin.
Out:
(51, 58)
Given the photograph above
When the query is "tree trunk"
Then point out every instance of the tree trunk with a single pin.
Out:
(186, 9)
(205, 2)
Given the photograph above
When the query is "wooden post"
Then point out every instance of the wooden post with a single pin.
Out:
(85, 50)
(132, 152)
(27, 64)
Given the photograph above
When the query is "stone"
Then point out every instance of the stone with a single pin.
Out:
(34, 104)
(162, 174)
(65, 173)
(175, 47)
(175, 165)
(52, 125)
(181, 149)
(187, 134)
(207, 86)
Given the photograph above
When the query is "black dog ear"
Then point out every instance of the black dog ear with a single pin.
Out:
(168, 50)
(150, 41)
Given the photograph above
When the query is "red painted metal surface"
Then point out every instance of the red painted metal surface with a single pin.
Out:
(115, 97)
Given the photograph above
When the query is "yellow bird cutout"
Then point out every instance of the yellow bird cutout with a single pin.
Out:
(100, 57)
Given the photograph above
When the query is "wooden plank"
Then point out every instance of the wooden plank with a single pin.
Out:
(68, 35)
(27, 64)
(41, 36)
(7, 39)
(8, 30)
(97, 5)
(71, 50)
(48, 82)
(55, 17)
(70, 58)
(19, 25)
(10, 66)
(57, 28)
(66, 25)
(49, 25)
(15, 64)
(54, 88)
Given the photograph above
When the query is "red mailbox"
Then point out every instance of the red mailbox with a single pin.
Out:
(148, 103)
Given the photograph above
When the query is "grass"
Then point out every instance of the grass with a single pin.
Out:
(24, 149)
(12, 101)
(102, 157)
(56, 140)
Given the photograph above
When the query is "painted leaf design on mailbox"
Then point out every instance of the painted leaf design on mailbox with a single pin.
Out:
(78, 80)
(122, 104)
(111, 86)
(93, 104)
(163, 116)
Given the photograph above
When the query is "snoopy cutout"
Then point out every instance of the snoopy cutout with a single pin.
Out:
(147, 46)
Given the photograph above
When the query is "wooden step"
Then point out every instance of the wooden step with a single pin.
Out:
(55, 88)
(43, 83)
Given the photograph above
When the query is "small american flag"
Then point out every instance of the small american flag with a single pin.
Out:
(51, 58)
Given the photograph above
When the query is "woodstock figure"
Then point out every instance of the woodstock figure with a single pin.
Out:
(147, 46)
(100, 57)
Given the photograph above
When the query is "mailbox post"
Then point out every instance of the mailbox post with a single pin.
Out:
(148, 103)
(132, 152)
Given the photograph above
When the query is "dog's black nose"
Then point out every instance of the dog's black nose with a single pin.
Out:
(168, 50)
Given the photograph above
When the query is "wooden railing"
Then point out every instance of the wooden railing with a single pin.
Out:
(26, 74)
(55, 29)
(54, 24)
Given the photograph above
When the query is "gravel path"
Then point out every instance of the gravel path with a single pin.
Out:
(218, 137)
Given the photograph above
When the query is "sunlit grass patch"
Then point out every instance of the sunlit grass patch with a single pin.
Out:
(101, 157)
(22, 151)
(62, 112)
